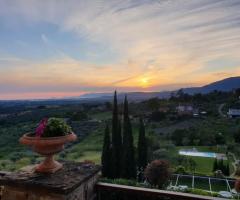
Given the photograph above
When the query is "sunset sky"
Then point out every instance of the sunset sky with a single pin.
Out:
(57, 48)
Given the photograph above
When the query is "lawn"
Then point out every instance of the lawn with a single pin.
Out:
(204, 165)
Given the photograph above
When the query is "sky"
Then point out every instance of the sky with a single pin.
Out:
(59, 48)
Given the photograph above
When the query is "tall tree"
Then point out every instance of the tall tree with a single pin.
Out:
(116, 140)
(142, 147)
(227, 170)
(128, 158)
(215, 165)
(106, 154)
(221, 166)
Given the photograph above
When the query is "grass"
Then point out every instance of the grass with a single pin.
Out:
(203, 184)
(88, 149)
(203, 165)
(219, 185)
(94, 156)
(101, 115)
(185, 181)
(216, 149)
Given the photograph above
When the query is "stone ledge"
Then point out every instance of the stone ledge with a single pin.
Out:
(63, 182)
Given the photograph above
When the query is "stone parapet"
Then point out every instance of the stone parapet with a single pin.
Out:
(75, 181)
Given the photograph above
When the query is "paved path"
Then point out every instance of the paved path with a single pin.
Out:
(220, 110)
(234, 164)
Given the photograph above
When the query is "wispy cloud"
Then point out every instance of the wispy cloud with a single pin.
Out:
(166, 42)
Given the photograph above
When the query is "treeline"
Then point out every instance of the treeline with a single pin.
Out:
(206, 102)
(119, 158)
(216, 96)
(191, 137)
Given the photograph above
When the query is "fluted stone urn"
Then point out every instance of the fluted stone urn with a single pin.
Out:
(47, 146)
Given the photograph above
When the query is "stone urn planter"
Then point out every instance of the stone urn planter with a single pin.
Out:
(49, 139)
(47, 146)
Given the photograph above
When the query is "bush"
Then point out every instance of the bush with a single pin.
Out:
(153, 143)
(178, 136)
(202, 192)
(157, 116)
(158, 173)
(161, 154)
(15, 156)
(180, 170)
(237, 172)
(78, 116)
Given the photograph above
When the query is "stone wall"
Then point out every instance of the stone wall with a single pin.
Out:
(1, 190)
(76, 181)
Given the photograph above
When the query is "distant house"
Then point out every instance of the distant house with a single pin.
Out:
(163, 109)
(185, 109)
(233, 113)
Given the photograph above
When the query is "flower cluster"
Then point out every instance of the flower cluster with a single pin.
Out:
(52, 127)
(41, 127)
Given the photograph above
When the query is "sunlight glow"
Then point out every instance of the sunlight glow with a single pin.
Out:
(144, 82)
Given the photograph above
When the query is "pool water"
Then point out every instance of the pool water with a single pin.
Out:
(197, 153)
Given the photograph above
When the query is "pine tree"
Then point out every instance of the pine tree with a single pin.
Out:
(142, 147)
(128, 158)
(116, 140)
(106, 154)
(215, 165)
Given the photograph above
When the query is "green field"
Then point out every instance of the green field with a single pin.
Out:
(90, 147)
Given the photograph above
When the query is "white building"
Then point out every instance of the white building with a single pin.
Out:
(185, 109)
(232, 113)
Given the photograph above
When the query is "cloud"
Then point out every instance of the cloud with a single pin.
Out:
(166, 42)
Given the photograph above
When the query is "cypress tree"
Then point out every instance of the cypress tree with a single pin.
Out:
(106, 154)
(116, 140)
(215, 165)
(227, 173)
(142, 147)
(128, 158)
(221, 166)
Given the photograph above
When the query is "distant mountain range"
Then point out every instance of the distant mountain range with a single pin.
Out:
(225, 85)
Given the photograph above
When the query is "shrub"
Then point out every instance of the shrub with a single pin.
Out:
(161, 154)
(203, 192)
(15, 156)
(180, 170)
(237, 173)
(157, 116)
(158, 173)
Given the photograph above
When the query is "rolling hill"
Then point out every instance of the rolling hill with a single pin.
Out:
(224, 85)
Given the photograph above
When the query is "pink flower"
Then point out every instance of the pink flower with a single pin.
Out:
(41, 127)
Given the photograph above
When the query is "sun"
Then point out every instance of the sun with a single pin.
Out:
(144, 82)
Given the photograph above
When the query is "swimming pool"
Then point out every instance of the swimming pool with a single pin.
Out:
(197, 153)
